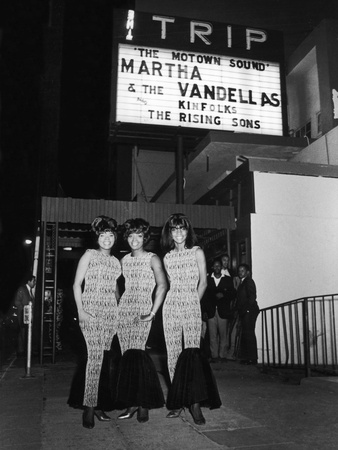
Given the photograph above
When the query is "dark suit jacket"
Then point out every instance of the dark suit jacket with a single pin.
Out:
(246, 296)
(223, 304)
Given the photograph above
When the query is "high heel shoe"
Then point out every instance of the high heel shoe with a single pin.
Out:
(102, 416)
(196, 413)
(174, 413)
(88, 417)
(129, 412)
(142, 414)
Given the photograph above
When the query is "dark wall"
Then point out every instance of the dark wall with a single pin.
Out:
(21, 66)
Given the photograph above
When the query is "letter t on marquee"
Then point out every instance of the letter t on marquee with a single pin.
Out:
(164, 21)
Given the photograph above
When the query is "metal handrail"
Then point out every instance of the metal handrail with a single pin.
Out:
(301, 333)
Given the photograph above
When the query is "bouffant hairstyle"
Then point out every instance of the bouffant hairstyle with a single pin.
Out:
(177, 220)
(137, 225)
(102, 224)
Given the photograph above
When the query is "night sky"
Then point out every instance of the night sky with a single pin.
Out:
(85, 103)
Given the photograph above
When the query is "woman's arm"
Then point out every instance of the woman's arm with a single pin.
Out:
(202, 268)
(77, 287)
(166, 270)
(160, 289)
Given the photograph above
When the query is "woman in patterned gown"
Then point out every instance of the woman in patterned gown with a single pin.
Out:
(138, 387)
(192, 381)
(97, 309)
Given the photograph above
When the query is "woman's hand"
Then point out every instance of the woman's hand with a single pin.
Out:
(84, 317)
(147, 317)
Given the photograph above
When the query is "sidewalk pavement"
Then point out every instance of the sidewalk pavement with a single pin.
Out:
(259, 412)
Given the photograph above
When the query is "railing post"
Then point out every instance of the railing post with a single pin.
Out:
(306, 338)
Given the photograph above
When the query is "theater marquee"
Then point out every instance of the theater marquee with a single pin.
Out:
(230, 89)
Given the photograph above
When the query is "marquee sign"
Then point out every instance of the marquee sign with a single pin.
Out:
(185, 82)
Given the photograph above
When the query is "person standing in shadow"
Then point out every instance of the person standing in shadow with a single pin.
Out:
(248, 311)
(227, 272)
(22, 297)
(219, 295)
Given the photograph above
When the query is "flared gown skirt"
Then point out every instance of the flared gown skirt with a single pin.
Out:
(193, 382)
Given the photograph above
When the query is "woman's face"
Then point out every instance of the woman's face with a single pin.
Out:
(136, 241)
(106, 240)
(179, 234)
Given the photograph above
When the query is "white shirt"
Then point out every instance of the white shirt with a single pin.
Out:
(30, 290)
(225, 272)
(217, 280)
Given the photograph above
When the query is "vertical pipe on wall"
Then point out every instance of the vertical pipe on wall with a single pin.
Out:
(239, 195)
(179, 170)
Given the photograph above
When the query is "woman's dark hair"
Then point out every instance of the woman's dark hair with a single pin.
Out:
(136, 226)
(177, 220)
(102, 224)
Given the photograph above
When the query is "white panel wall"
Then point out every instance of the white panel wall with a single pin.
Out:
(293, 257)
(294, 195)
(294, 239)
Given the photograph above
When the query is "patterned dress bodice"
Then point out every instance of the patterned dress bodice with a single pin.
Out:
(183, 272)
(100, 283)
(135, 301)
(139, 277)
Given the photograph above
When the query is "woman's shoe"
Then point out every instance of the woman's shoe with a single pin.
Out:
(142, 414)
(88, 417)
(174, 413)
(102, 416)
(196, 413)
(128, 414)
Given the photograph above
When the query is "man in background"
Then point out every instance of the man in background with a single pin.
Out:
(218, 298)
(23, 296)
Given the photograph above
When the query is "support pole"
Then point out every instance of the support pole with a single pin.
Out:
(29, 340)
(28, 310)
(28, 316)
(179, 171)
(36, 253)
